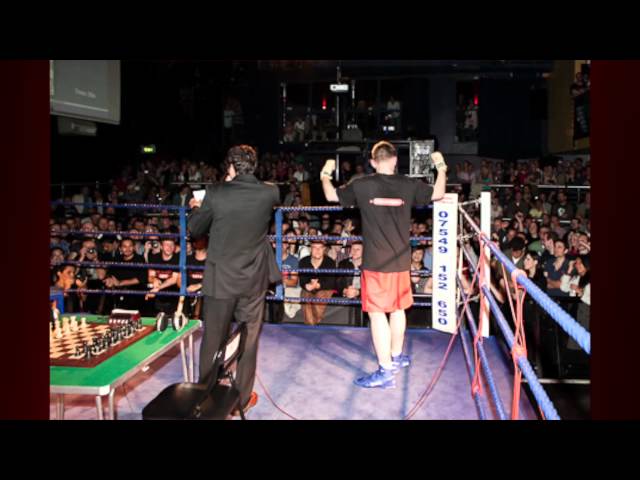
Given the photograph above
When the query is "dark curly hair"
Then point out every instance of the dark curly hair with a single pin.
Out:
(243, 158)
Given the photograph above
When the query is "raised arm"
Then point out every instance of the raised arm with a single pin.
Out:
(440, 186)
(325, 176)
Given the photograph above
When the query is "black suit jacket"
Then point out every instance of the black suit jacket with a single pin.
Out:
(236, 215)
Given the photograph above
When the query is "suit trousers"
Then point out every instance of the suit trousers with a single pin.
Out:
(217, 316)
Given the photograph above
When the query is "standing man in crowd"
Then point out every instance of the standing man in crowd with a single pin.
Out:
(385, 200)
(240, 262)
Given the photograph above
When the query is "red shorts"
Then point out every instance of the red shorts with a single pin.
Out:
(385, 291)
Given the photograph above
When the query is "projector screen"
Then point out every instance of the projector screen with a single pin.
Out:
(85, 89)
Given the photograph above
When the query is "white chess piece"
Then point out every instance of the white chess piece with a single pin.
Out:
(74, 324)
(83, 322)
(58, 333)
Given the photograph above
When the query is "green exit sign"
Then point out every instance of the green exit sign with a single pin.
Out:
(148, 149)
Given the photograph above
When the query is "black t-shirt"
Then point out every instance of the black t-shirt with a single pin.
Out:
(385, 203)
(165, 274)
(195, 276)
(127, 273)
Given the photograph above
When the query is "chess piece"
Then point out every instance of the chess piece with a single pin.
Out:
(83, 322)
(74, 324)
(58, 333)
(56, 324)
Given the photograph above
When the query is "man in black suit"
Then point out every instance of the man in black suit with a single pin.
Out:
(240, 261)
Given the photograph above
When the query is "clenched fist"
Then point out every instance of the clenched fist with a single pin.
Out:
(438, 161)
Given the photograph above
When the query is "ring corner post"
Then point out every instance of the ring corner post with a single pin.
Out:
(485, 227)
(445, 240)
(183, 251)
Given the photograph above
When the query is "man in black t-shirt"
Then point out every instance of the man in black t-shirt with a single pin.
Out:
(165, 280)
(127, 278)
(193, 305)
(385, 200)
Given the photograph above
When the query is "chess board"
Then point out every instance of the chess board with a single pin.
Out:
(62, 351)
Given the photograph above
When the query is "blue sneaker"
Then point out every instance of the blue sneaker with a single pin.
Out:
(381, 378)
(401, 361)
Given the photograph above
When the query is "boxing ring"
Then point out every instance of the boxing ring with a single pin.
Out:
(307, 372)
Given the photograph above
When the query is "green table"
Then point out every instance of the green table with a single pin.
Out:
(104, 378)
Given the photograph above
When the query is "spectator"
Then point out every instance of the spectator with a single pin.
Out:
(64, 278)
(546, 206)
(496, 208)
(56, 240)
(497, 231)
(533, 234)
(428, 256)
(290, 197)
(532, 312)
(555, 268)
(325, 224)
(548, 177)
(537, 209)
(418, 281)
(91, 277)
(197, 258)
(466, 176)
(108, 249)
(577, 283)
(56, 256)
(563, 209)
(584, 245)
(556, 227)
(299, 130)
(518, 205)
(349, 286)
(301, 175)
(336, 251)
(83, 199)
(393, 112)
(359, 171)
(182, 197)
(126, 278)
(164, 279)
(516, 252)
(345, 171)
(316, 286)
(584, 208)
(152, 246)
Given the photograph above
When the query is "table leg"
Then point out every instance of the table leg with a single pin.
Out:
(112, 409)
(60, 407)
(191, 377)
(99, 407)
(183, 355)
